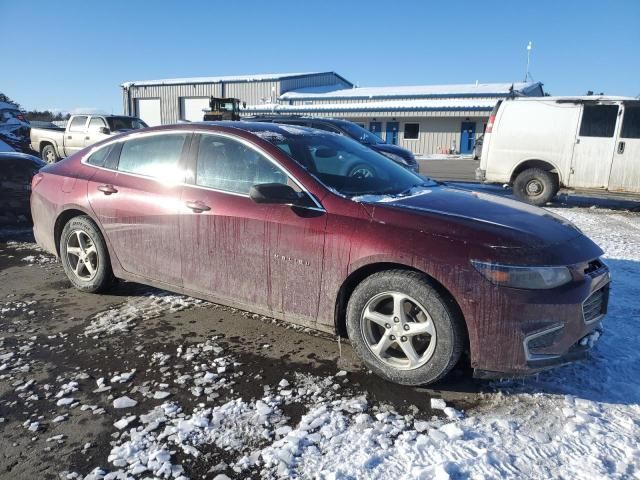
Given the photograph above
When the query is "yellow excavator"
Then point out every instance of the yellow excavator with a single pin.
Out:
(223, 109)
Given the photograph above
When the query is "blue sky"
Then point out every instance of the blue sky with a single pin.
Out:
(75, 54)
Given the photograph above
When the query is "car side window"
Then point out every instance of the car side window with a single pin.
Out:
(325, 126)
(96, 122)
(77, 124)
(98, 158)
(154, 156)
(631, 122)
(228, 165)
(599, 120)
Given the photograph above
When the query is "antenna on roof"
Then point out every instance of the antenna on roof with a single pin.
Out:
(527, 75)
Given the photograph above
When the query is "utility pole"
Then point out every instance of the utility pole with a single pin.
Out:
(527, 75)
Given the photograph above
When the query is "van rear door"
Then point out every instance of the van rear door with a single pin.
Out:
(625, 169)
(593, 151)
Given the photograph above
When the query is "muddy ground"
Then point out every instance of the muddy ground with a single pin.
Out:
(45, 320)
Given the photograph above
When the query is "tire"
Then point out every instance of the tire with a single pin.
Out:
(535, 186)
(437, 352)
(84, 255)
(49, 154)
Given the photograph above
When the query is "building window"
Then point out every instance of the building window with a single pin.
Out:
(411, 131)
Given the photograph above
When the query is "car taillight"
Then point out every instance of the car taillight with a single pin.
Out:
(492, 118)
(37, 178)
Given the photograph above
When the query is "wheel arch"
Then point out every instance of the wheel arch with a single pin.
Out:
(535, 163)
(61, 220)
(361, 273)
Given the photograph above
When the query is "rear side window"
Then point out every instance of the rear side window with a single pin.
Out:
(154, 156)
(599, 120)
(99, 157)
(96, 122)
(228, 165)
(77, 124)
(324, 126)
(631, 122)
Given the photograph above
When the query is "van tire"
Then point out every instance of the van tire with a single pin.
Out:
(535, 186)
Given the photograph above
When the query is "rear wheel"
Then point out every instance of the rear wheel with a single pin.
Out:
(49, 154)
(535, 186)
(84, 255)
(403, 329)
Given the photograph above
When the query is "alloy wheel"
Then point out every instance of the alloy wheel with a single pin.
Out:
(82, 255)
(398, 330)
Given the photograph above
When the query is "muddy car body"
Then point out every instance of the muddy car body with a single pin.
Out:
(414, 277)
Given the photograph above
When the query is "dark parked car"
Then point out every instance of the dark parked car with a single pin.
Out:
(16, 172)
(349, 129)
(261, 217)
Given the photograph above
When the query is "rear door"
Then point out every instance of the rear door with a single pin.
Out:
(74, 137)
(264, 257)
(593, 151)
(625, 169)
(138, 202)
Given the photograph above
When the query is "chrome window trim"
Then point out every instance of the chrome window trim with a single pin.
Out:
(83, 161)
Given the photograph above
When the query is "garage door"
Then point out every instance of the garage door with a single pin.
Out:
(149, 111)
(191, 108)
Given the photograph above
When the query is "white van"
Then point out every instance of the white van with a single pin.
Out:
(541, 144)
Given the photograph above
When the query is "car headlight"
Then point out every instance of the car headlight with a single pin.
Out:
(395, 158)
(532, 278)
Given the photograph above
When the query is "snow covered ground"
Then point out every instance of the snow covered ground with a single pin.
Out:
(580, 421)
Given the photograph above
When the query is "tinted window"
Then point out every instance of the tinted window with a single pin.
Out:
(96, 122)
(98, 157)
(631, 122)
(125, 123)
(155, 156)
(77, 124)
(324, 126)
(411, 130)
(229, 165)
(598, 120)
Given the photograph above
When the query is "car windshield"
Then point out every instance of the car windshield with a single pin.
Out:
(343, 164)
(125, 123)
(360, 134)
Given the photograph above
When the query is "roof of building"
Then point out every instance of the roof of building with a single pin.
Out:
(219, 79)
(428, 104)
(330, 92)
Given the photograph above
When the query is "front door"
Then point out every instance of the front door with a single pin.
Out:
(138, 205)
(74, 136)
(94, 132)
(625, 169)
(392, 133)
(376, 128)
(595, 143)
(263, 257)
(467, 137)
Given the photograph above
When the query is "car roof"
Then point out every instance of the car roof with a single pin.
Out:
(249, 126)
(20, 156)
(302, 118)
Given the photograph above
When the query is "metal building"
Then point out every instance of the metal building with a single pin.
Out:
(426, 119)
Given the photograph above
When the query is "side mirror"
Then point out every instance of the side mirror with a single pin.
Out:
(274, 193)
(104, 130)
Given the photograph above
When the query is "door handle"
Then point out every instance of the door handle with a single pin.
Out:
(621, 148)
(107, 189)
(87, 138)
(69, 137)
(197, 206)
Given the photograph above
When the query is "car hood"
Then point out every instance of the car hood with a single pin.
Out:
(474, 218)
(385, 147)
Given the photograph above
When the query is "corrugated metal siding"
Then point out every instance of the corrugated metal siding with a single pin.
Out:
(369, 100)
(436, 133)
(289, 84)
(253, 93)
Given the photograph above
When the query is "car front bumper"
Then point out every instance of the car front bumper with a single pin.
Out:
(523, 331)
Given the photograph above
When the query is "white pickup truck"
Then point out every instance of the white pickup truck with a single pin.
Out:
(54, 143)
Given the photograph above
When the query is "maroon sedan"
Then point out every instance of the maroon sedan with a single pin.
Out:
(279, 220)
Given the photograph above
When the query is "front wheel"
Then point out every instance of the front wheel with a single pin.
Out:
(535, 186)
(49, 154)
(84, 255)
(403, 329)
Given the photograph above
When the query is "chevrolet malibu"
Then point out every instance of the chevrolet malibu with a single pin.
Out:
(262, 217)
